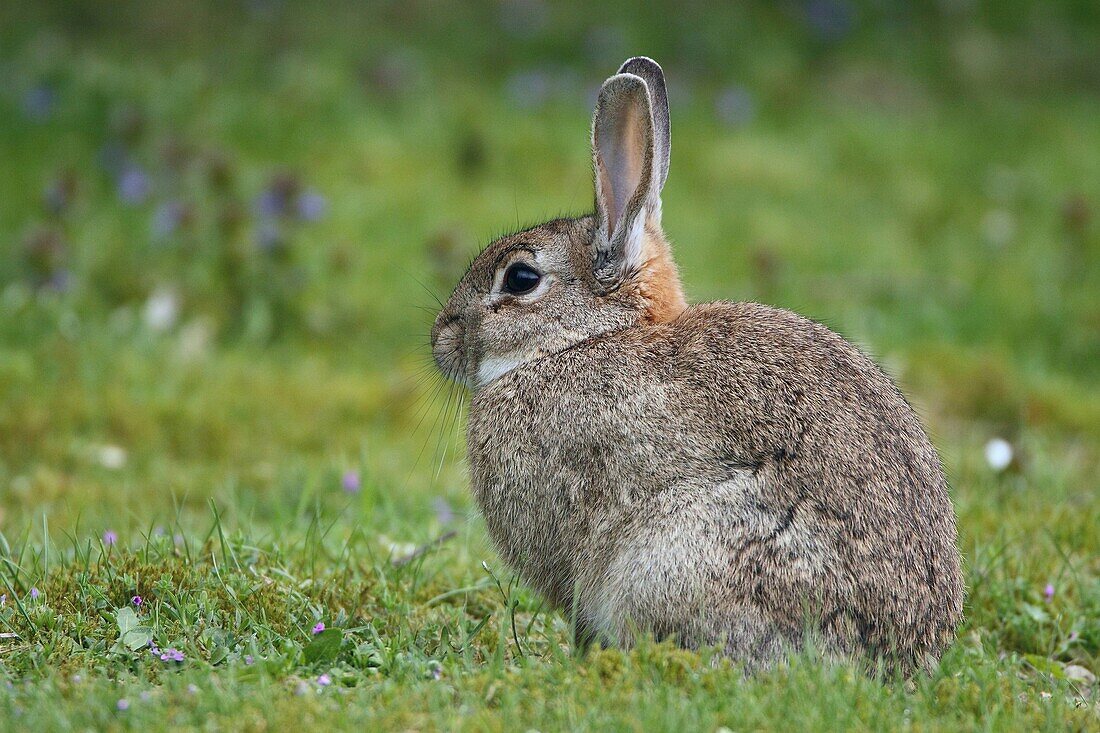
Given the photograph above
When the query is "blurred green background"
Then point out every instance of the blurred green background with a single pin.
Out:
(225, 225)
(224, 228)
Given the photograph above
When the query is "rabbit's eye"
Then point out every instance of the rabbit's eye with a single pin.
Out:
(520, 278)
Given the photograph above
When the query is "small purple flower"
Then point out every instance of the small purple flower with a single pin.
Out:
(110, 538)
(1073, 636)
(39, 103)
(829, 20)
(133, 185)
(311, 205)
(279, 197)
(59, 281)
(193, 689)
(319, 628)
(171, 655)
(137, 600)
(1048, 593)
(249, 660)
(122, 704)
(351, 482)
(271, 203)
(324, 680)
(34, 594)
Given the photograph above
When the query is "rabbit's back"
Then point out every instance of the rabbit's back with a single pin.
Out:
(727, 477)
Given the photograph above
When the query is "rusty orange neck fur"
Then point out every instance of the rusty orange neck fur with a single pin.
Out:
(657, 284)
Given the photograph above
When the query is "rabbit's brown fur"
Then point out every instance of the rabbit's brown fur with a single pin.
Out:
(727, 473)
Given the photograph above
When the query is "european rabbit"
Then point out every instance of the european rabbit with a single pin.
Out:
(726, 473)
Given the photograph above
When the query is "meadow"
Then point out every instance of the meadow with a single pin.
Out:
(232, 491)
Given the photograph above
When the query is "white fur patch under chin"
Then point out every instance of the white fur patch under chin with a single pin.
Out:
(494, 367)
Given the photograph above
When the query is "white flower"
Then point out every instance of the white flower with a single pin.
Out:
(998, 454)
(397, 549)
(162, 309)
(112, 457)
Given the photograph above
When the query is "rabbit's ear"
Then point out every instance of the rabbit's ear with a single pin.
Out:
(650, 72)
(628, 181)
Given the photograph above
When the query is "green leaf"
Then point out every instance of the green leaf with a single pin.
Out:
(1035, 613)
(126, 619)
(219, 655)
(1048, 666)
(325, 646)
(137, 637)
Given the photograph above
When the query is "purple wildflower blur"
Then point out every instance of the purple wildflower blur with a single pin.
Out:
(311, 205)
(319, 627)
(351, 482)
(133, 185)
(39, 103)
(110, 537)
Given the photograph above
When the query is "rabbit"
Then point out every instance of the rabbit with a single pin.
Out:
(725, 475)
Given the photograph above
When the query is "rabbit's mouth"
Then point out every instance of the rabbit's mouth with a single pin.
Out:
(454, 359)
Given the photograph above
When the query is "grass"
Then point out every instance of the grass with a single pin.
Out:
(195, 365)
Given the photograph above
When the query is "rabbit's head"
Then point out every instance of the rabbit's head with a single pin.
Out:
(545, 289)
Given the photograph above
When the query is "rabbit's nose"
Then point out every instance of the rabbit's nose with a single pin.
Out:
(448, 348)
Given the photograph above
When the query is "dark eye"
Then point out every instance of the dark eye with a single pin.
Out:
(520, 278)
